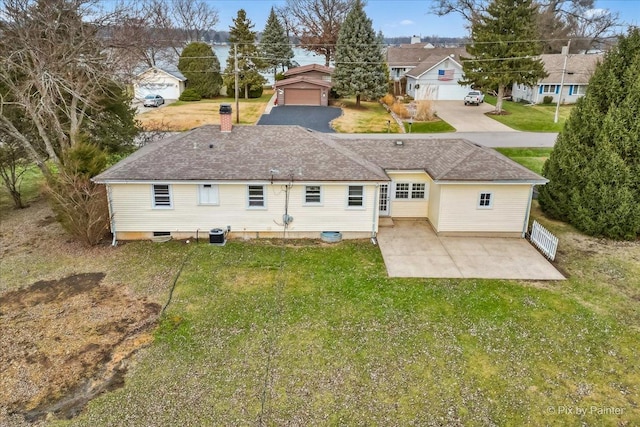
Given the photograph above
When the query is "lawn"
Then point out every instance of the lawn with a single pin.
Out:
(259, 333)
(181, 116)
(530, 118)
(438, 126)
(532, 158)
(274, 332)
(370, 117)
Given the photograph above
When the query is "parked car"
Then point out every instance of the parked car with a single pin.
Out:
(153, 101)
(474, 97)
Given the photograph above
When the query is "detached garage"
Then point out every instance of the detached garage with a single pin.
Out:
(157, 81)
(303, 91)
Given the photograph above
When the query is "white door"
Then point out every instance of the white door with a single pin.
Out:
(384, 200)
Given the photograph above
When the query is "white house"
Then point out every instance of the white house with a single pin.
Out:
(428, 67)
(158, 81)
(437, 81)
(253, 178)
(578, 71)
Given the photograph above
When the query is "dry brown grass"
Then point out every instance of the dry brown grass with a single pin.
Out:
(400, 110)
(189, 115)
(370, 117)
(424, 111)
(388, 99)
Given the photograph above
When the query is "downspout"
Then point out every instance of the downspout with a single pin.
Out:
(525, 226)
(375, 212)
(112, 220)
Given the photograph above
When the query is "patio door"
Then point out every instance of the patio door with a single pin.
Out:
(384, 199)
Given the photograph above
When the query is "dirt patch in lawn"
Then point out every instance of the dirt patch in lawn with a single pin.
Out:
(65, 341)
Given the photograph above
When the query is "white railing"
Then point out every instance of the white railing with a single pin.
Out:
(544, 240)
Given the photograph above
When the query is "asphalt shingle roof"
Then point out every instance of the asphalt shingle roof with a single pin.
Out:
(249, 153)
(580, 68)
(414, 55)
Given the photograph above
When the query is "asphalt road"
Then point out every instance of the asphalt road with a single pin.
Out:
(310, 117)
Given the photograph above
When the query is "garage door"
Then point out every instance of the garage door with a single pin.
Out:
(302, 96)
(452, 92)
(165, 90)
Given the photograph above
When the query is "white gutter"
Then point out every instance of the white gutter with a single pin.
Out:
(375, 211)
(525, 226)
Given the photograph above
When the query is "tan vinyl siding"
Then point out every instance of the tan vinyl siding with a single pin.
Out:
(434, 204)
(459, 208)
(409, 208)
(133, 212)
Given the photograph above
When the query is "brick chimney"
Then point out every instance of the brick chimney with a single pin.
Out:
(225, 118)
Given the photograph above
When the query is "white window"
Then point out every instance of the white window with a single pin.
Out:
(417, 190)
(402, 190)
(256, 198)
(208, 194)
(355, 198)
(549, 89)
(161, 196)
(312, 195)
(579, 89)
(485, 200)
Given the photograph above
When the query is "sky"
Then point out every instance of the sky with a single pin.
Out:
(397, 18)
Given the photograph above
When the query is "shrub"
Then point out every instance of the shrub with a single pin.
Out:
(400, 110)
(256, 91)
(547, 99)
(424, 111)
(190, 95)
(388, 99)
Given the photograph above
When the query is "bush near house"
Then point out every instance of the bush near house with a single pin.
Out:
(547, 99)
(190, 95)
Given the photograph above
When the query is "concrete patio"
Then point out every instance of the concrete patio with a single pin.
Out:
(412, 249)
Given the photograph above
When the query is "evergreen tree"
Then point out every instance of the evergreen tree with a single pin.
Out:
(201, 67)
(503, 44)
(243, 39)
(360, 67)
(594, 169)
(274, 44)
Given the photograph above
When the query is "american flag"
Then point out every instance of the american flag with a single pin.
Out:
(445, 74)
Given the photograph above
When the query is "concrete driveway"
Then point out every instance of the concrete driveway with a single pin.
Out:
(310, 117)
(412, 249)
(468, 118)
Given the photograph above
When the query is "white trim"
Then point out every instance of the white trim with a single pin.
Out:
(214, 188)
(264, 197)
(153, 196)
(304, 195)
(364, 203)
(479, 204)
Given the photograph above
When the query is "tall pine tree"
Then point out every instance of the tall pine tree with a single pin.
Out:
(242, 38)
(201, 67)
(274, 44)
(594, 169)
(360, 69)
(503, 46)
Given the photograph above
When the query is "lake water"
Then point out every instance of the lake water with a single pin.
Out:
(301, 56)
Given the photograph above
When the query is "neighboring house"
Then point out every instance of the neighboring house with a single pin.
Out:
(248, 177)
(579, 70)
(306, 85)
(437, 81)
(157, 81)
(431, 72)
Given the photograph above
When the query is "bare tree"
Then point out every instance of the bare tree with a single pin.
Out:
(144, 33)
(54, 69)
(317, 23)
(194, 18)
(558, 20)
